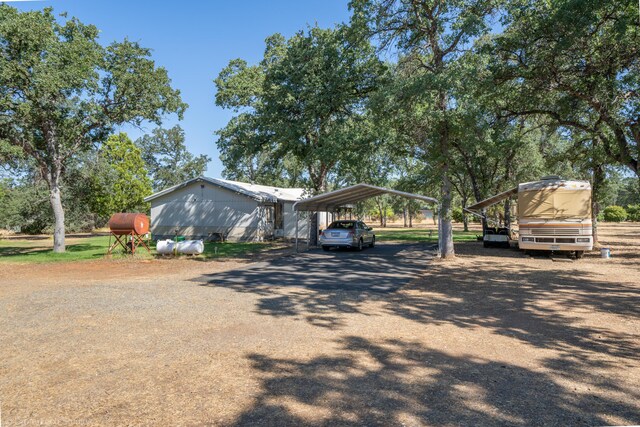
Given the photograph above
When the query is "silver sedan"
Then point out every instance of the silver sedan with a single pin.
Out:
(347, 234)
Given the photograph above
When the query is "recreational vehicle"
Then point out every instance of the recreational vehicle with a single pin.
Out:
(553, 214)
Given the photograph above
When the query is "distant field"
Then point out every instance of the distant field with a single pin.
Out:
(421, 234)
(39, 250)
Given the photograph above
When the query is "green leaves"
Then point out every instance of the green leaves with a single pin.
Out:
(303, 104)
(121, 182)
(134, 89)
(167, 158)
(61, 92)
(577, 63)
(57, 82)
(239, 86)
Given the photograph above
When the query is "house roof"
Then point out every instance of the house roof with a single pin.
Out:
(350, 195)
(260, 193)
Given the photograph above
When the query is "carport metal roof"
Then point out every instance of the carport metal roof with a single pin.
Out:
(345, 196)
(493, 200)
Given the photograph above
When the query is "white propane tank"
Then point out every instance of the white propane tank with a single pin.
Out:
(165, 247)
(191, 247)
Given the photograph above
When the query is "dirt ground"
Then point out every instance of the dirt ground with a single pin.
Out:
(493, 337)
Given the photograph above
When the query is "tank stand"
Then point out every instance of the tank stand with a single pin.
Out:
(129, 242)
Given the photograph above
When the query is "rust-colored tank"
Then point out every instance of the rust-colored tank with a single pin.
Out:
(127, 223)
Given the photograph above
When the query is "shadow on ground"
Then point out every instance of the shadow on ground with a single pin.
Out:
(404, 383)
(322, 285)
(539, 303)
(510, 302)
(383, 268)
(9, 251)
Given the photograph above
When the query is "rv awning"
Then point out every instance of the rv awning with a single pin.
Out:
(349, 195)
(493, 200)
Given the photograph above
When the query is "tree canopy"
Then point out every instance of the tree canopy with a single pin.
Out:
(458, 99)
(432, 37)
(62, 92)
(576, 63)
(476, 96)
(303, 104)
(121, 183)
(167, 159)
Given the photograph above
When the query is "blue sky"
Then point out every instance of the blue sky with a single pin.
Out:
(194, 40)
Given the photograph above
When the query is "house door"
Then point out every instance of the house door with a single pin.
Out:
(268, 221)
(278, 221)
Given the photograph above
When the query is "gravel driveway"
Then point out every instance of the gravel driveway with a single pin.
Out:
(491, 338)
(383, 268)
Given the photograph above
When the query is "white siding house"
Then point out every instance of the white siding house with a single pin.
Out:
(209, 208)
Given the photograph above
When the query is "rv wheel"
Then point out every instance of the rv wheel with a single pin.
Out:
(579, 254)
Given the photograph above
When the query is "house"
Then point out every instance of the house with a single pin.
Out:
(211, 208)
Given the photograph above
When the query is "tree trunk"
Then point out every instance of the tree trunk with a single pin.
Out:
(485, 223)
(446, 230)
(598, 181)
(58, 214)
(465, 217)
(404, 215)
(465, 221)
(595, 210)
(410, 219)
(445, 238)
(507, 213)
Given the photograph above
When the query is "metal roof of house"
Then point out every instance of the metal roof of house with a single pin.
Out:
(349, 195)
(260, 193)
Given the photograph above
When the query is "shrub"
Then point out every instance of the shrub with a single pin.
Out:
(457, 214)
(615, 214)
(633, 212)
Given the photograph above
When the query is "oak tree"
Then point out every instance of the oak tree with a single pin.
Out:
(62, 92)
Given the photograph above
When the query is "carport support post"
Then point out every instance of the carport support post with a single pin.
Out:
(297, 219)
(309, 229)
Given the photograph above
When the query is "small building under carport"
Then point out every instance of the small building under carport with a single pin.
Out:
(333, 200)
(212, 209)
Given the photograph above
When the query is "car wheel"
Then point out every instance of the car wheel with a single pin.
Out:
(326, 248)
(485, 244)
(373, 242)
(360, 244)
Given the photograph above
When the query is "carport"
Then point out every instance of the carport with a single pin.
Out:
(331, 201)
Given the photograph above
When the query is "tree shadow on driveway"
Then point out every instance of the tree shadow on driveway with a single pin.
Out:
(384, 268)
(559, 308)
(323, 285)
(396, 382)
(537, 305)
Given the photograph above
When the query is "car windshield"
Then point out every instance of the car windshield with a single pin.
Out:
(344, 225)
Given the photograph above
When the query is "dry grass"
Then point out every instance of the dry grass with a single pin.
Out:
(491, 338)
